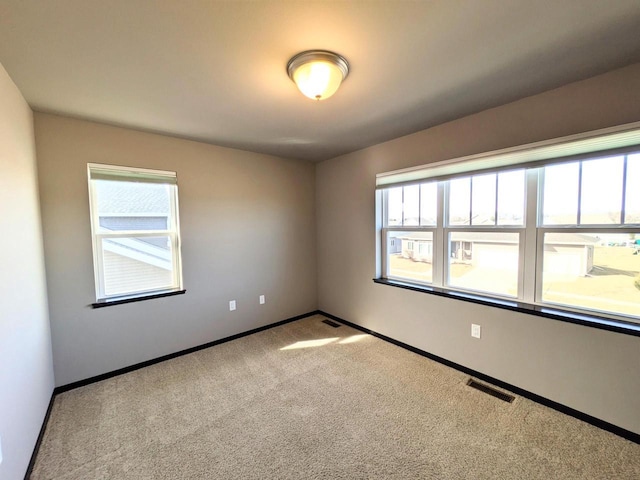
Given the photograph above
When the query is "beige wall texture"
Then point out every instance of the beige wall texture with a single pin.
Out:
(247, 225)
(26, 370)
(591, 370)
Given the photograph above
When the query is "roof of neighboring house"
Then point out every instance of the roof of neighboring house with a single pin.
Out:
(507, 237)
(485, 237)
(571, 239)
(129, 198)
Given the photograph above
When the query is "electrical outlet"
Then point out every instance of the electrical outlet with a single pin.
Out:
(232, 305)
(0, 450)
(475, 330)
(261, 299)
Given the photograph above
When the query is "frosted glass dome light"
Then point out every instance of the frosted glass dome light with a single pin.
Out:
(318, 73)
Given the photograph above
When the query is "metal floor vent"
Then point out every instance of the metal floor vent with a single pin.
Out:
(330, 323)
(505, 397)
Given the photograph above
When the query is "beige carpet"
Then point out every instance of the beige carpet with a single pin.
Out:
(308, 401)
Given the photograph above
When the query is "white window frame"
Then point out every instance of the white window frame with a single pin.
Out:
(441, 245)
(449, 229)
(138, 175)
(531, 233)
(408, 231)
(578, 228)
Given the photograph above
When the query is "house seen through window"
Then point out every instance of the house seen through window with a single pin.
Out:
(136, 243)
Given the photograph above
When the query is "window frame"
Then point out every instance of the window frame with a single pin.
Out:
(579, 228)
(384, 259)
(448, 229)
(531, 236)
(519, 274)
(172, 232)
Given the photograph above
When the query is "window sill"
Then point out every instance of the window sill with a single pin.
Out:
(137, 298)
(594, 321)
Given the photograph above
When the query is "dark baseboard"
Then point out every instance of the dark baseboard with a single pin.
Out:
(634, 437)
(104, 376)
(629, 435)
(164, 358)
(32, 461)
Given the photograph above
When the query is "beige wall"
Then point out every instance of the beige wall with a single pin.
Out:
(26, 370)
(247, 224)
(591, 370)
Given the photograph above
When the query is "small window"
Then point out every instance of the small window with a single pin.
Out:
(135, 229)
(487, 199)
(405, 261)
(412, 205)
(484, 262)
(592, 271)
(588, 192)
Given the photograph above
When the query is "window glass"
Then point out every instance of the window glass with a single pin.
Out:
(601, 195)
(594, 271)
(394, 201)
(411, 211)
(132, 206)
(560, 198)
(632, 204)
(136, 264)
(134, 221)
(587, 216)
(483, 199)
(484, 262)
(428, 203)
(410, 256)
(459, 201)
(511, 197)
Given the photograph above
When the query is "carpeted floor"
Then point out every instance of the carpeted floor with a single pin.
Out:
(309, 401)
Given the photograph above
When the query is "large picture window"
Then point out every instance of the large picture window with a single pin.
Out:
(135, 229)
(561, 233)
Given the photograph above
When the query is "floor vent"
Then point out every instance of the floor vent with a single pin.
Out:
(491, 391)
(330, 323)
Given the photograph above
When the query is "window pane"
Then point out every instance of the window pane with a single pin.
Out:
(483, 202)
(429, 203)
(632, 205)
(601, 197)
(560, 199)
(132, 206)
(593, 271)
(409, 256)
(459, 201)
(511, 198)
(136, 264)
(484, 262)
(411, 215)
(394, 214)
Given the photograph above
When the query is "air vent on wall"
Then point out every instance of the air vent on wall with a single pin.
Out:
(330, 323)
(505, 397)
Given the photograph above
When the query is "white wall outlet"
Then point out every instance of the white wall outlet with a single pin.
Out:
(475, 330)
(261, 299)
(0, 450)
(232, 305)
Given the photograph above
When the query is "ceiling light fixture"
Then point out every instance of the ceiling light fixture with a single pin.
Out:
(318, 73)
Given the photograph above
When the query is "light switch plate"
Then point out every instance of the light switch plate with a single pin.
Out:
(232, 305)
(261, 299)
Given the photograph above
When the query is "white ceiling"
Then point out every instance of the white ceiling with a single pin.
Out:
(215, 70)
